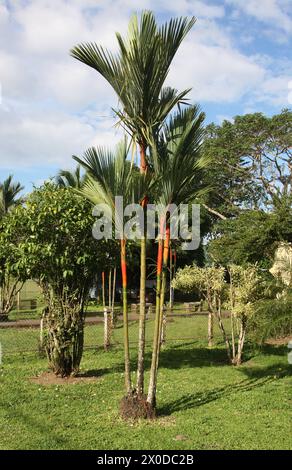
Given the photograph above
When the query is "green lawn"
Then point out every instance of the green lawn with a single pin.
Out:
(201, 399)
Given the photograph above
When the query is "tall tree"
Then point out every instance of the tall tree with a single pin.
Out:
(251, 179)
(252, 163)
(137, 73)
(178, 164)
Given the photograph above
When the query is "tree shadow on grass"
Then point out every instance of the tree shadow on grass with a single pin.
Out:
(180, 356)
(275, 371)
(39, 424)
(256, 376)
(274, 350)
(190, 401)
(97, 373)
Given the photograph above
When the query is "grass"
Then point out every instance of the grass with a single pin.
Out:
(203, 403)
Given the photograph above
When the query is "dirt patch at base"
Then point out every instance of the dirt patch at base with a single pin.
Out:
(49, 378)
(134, 407)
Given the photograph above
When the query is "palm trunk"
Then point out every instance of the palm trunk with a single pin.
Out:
(110, 288)
(142, 316)
(151, 397)
(142, 321)
(107, 315)
(162, 334)
(171, 275)
(113, 316)
(125, 318)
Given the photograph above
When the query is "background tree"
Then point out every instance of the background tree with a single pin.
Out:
(251, 163)
(12, 270)
(250, 201)
(240, 294)
(251, 237)
(57, 249)
(11, 274)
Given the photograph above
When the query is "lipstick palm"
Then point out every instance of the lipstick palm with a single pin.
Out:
(137, 73)
(109, 177)
(178, 163)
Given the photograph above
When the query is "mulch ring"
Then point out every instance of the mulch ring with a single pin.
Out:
(49, 378)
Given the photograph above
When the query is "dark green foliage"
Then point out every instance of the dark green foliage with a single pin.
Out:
(251, 237)
(12, 270)
(251, 162)
(272, 319)
(56, 247)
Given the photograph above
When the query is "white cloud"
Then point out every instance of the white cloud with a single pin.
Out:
(4, 15)
(200, 9)
(216, 73)
(54, 106)
(267, 11)
(275, 90)
(46, 138)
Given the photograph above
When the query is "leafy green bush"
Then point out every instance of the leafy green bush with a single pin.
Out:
(272, 319)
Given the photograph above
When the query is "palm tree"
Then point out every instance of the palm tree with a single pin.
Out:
(8, 195)
(177, 162)
(108, 177)
(73, 179)
(137, 74)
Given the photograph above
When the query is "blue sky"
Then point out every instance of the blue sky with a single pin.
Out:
(237, 59)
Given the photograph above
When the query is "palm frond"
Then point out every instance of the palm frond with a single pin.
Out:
(8, 195)
(66, 178)
(137, 72)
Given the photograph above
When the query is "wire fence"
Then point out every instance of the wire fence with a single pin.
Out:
(19, 338)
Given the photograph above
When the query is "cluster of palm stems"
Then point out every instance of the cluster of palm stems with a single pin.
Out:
(168, 141)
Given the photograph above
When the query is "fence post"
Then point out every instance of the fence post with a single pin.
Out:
(107, 329)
